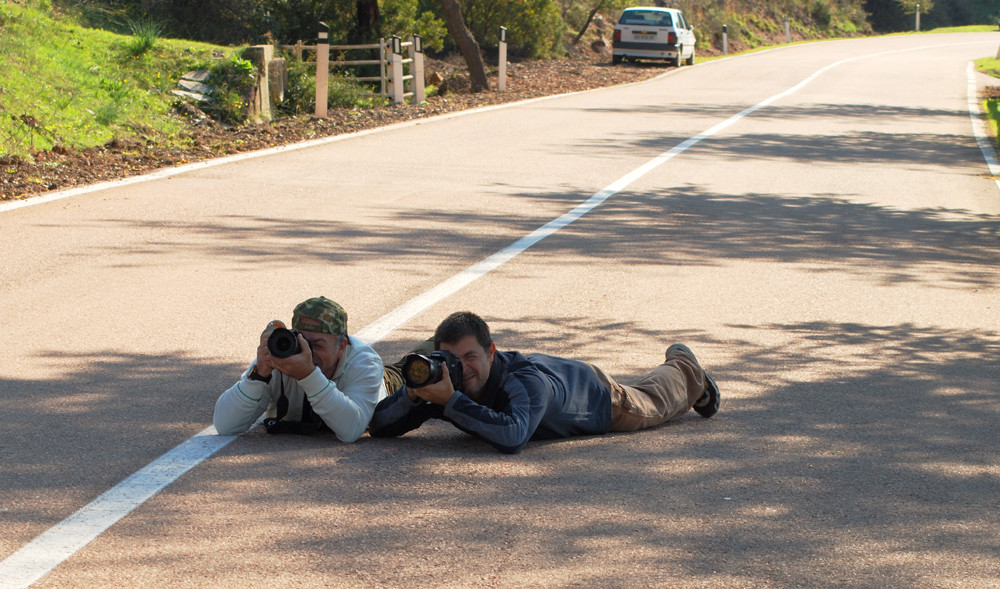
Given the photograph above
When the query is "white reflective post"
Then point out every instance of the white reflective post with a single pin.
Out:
(725, 40)
(918, 18)
(397, 70)
(788, 32)
(322, 69)
(417, 53)
(502, 62)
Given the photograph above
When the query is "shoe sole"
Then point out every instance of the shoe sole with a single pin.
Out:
(714, 397)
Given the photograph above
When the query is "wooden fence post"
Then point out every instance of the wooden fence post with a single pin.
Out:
(502, 62)
(322, 69)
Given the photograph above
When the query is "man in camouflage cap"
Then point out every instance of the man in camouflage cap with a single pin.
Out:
(333, 382)
(321, 315)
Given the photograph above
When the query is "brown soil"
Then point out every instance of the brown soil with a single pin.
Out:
(62, 168)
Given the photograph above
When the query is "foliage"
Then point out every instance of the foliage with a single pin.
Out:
(234, 81)
(405, 17)
(344, 91)
(145, 33)
(300, 88)
(534, 27)
(911, 6)
(898, 15)
(576, 13)
(991, 106)
(64, 84)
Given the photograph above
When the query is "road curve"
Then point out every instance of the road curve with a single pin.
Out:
(816, 221)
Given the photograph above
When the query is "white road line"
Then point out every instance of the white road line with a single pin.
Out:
(984, 138)
(37, 558)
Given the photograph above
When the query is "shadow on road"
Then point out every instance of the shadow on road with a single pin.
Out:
(836, 460)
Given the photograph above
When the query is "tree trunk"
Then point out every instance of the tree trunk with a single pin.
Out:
(590, 18)
(466, 44)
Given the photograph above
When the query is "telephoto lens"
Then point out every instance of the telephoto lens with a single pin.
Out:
(283, 343)
(420, 370)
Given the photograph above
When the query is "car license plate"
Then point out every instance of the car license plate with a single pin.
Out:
(643, 36)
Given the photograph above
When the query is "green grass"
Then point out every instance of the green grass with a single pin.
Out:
(989, 66)
(991, 106)
(966, 29)
(63, 84)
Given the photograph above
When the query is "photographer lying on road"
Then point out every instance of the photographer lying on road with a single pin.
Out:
(507, 398)
(309, 378)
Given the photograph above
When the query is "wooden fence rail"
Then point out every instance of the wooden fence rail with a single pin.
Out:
(383, 59)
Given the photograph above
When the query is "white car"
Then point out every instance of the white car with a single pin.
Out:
(649, 32)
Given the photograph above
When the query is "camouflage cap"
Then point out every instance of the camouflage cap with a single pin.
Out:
(321, 315)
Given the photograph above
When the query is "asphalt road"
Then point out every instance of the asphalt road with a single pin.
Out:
(830, 252)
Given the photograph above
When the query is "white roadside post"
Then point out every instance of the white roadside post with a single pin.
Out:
(918, 18)
(788, 32)
(417, 54)
(322, 69)
(725, 40)
(396, 70)
(502, 62)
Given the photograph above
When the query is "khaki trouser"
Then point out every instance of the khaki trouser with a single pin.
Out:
(670, 390)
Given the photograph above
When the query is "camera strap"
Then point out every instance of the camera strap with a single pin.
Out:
(309, 424)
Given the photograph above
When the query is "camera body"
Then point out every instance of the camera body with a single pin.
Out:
(420, 370)
(284, 342)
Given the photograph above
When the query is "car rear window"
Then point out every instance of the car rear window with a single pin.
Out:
(651, 18)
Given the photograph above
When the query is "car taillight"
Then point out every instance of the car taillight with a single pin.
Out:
(618, 35)
(671, 38)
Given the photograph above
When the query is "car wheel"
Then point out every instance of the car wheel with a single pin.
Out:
(690, 60)
(616, 59)
(677, 62)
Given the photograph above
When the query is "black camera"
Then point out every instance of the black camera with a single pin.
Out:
(284, 342)
(420, 370)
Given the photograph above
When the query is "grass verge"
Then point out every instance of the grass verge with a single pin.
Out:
(83, 87)
(991, 98)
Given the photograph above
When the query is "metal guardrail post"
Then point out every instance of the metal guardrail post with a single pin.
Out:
(322, 69)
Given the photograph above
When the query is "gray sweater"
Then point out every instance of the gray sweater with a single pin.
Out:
(533, 397)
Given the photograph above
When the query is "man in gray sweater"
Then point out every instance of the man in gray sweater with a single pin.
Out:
(332, 382)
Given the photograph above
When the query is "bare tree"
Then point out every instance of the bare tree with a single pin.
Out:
(466, 44)
(590, 18)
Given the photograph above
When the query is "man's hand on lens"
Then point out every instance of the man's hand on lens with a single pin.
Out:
(264, 365)
(439, 392)
(298, 366)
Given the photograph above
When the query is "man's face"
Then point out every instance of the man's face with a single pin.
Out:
(476, 362)
(326, 351)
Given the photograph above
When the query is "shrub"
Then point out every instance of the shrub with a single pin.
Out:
(300, 88)
(234, 80)
(534, 27)
(344, 91)
(145, 33)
